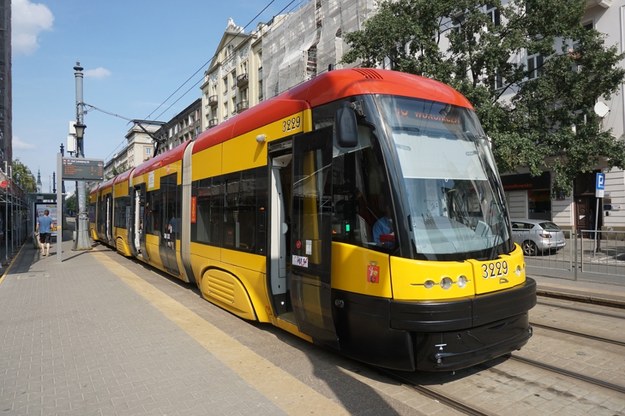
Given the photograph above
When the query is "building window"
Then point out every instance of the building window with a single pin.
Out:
(494, 14)
(534, 66)
(260, 84)
(148, 152)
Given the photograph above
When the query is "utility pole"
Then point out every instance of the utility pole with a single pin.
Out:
(83, 241)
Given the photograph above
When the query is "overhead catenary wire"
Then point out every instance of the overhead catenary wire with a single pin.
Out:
(209, 61)
(288, 7)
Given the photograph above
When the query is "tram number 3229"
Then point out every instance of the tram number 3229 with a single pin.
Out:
(495, 269)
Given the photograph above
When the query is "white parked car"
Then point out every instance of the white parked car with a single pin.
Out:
(537, 236)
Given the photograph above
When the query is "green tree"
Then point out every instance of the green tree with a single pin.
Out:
(71, 203)
(537, 111)
(24, 177)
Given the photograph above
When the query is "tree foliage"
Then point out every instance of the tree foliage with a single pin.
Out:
(540, 114)
(71, 203)
(24, 177)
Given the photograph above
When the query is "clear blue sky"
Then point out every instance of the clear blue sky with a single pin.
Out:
(135, 54)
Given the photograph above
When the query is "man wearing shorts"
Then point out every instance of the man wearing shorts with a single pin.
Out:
(44, 224)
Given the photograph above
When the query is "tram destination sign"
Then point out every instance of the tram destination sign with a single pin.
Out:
(83, 169)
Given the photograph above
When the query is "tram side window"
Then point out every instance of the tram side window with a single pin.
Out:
(101, 218)
(153, 213)
(361, 193)
(122, 207)
(91, 212)
(171, 206)
(244, 210)
(209, 206)
(230, 211)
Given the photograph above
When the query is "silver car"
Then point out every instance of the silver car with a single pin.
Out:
(537, 236)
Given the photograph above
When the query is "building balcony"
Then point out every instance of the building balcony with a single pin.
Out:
(213, 100)
(242, 80)
(242, 106)
(212, 122)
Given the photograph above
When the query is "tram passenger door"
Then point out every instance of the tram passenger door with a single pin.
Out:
(280, 191)
(311, 236)
(109, 219)
(139, 221)
(171, 223)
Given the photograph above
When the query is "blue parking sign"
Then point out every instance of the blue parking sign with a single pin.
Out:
(600, 185)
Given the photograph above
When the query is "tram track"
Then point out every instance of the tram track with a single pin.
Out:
(434, 394)
(581, 298)
(579, 334)
(576, 376)
(578, 309)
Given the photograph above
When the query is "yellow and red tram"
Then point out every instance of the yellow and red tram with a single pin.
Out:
(361, 210)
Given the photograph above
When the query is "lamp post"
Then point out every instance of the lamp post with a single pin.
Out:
(83, 242)
(62, 155)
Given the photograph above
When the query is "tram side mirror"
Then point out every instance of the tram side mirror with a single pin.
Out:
(346, 127)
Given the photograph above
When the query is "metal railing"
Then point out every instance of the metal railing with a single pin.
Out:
(588, 255)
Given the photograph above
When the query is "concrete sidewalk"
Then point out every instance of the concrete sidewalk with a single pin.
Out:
(79, 337)
(594, 292)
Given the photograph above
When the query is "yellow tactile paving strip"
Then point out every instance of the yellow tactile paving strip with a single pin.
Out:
(278, 386)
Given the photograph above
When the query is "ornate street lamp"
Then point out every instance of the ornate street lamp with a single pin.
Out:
(80, 133)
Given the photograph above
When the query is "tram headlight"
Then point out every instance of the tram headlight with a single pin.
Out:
(462, 281)
(429, 284)
(517, 271)
(446, 283)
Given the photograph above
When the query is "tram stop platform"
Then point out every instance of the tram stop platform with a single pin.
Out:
(98, 334)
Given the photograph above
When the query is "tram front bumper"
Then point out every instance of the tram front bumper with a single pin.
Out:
(450, 351)
(456, 334)
(436, 335)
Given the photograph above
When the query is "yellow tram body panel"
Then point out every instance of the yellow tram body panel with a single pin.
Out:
(505, 272)
(422, 279)
(152, 248)
(93, 199)
(234, 160)
(121, 241)
(121, 189)
(207, 163)
(360, 270)
(240, 290)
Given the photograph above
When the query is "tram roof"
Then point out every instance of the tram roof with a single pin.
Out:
(328, 87)
(163, 159)
(123, 176)
(106, 184)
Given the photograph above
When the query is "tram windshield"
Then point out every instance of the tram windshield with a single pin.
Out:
(454, 198)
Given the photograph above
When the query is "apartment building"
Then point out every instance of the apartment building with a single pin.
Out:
(6, 100)
(183, 127)
(231, 82)
(250, 67)
(139, 148)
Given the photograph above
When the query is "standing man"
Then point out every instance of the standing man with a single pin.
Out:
(44, 224)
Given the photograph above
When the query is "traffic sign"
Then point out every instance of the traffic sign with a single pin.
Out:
(600, 185)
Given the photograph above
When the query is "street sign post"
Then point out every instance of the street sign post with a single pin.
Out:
(600, 185)
(73, 169)
(599, 193)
